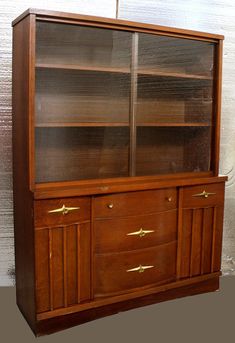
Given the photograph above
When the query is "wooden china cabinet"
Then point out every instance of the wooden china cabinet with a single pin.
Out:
(117, 198)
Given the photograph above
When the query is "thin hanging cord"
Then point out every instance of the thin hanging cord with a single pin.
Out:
(117, 8)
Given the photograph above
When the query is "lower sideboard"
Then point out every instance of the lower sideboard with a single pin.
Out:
(97, 255)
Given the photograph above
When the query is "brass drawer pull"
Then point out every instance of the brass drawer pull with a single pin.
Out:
(139, 269)
(203, 194)
(64, 210)
(140, 232)
(110, 206)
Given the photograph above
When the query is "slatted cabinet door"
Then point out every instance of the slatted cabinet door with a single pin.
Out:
(62, 253)
(200, 230)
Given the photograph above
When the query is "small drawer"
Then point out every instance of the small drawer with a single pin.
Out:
(63, 211)
(123, 234)
(133, 203)
(203, 195)
(120, 273)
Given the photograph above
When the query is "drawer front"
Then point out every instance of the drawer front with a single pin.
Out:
(203, 195)
(132, 203)
(61, 211)
(123, 234)
(123, 272)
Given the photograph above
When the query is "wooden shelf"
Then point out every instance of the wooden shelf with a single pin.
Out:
(180, 75)
(83, 68)
(121, 124)
(80, 124)
(122, 70)
(174, 124)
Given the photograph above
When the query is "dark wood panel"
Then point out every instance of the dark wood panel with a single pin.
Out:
(113, 275)
(22, 102)
(194, 197)
(127, 204)
(78, 211)
(115, 235)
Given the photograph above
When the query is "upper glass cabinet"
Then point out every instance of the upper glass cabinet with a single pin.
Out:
(112, 103)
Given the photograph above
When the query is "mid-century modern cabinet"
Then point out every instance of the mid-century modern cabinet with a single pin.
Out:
(117, 198)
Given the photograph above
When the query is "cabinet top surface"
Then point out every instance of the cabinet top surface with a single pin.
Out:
(56, 15)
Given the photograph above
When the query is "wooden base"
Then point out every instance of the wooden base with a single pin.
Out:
(54, 324)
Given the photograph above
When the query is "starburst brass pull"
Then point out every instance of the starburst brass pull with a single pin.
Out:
(139, 269)
(141, 232)
(203, 194)
(64, 210)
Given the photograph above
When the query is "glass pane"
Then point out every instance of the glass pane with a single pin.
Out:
(174, 104)
(82, 102)
(165, 150)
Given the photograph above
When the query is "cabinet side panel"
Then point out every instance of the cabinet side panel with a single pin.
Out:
(23, 39)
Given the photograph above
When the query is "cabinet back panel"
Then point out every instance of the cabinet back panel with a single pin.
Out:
(65, 96)
(74, 44)
(64, 154)
(174, 100)
(176, 54)
(172, 150)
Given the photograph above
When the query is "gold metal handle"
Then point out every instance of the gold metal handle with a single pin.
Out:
(110, 206)
(140, 232)
(64, 210)
(139, 269)
(169, 199)
(203, 194)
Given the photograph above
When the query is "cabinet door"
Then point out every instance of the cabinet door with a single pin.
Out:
(174, 105)
(200, 230)
(62, 255)
(81, 102)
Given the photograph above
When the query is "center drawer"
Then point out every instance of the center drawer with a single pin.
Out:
(119, 273)
(123, 234)
(134, 203)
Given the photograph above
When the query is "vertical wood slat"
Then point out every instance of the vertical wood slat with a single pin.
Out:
(186, 242)
(50, 269)
(196, 242)
(180, 235)
(133, 100)
(65, 266)
(78, 265)
(213, 239)
(203, 239)
(191, 246)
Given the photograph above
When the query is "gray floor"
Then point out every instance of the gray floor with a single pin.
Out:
(202, 318)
